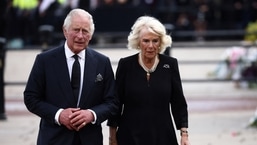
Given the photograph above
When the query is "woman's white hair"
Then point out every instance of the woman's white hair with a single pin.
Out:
(74, 13)
(152, 25)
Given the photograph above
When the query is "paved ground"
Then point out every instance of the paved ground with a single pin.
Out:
(218, 112)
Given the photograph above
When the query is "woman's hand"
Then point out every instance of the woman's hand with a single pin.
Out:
(184, 137)
(112, 141)
(184, 140)
(112, 137)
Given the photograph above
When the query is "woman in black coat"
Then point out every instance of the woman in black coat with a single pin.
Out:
(150, 91)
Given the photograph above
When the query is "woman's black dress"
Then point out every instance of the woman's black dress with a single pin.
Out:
(146, 115)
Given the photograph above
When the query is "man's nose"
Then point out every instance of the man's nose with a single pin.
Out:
(80, 33)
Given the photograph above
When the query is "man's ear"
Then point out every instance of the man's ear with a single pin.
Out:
(64, 30)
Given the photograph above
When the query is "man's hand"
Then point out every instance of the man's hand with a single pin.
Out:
(64, 117)
(80, 118)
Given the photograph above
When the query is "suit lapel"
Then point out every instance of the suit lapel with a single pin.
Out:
(63, 78)
(89, 76)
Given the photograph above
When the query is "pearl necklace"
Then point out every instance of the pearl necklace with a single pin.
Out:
(148, 71)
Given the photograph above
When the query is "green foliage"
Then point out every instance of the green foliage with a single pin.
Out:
(251, 32)
(253, 120)
(254, 123)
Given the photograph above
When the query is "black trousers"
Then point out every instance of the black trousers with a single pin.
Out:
(76, 139)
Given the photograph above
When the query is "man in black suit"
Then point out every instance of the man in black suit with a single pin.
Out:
(49, 94)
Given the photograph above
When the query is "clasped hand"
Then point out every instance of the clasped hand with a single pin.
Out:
(75, 118)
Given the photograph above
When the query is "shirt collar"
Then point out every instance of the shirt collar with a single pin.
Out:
(69, 53)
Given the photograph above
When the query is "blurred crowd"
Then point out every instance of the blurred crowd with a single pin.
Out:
(23, 21)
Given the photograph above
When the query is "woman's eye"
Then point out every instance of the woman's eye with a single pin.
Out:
(155, 41)
(146, 41)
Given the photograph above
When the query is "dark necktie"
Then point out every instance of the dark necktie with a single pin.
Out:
(75, 77)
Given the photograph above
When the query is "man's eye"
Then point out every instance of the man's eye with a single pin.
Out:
(76, 30)
(85, 32)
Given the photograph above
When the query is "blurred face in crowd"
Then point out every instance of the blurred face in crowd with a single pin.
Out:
(149, 44)
(77, 33)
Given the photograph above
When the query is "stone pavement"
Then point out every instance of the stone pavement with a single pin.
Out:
(218, 112)
(209, 128)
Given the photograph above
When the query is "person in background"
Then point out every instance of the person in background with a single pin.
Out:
(150, 91)
(69, 117)
(20, 29)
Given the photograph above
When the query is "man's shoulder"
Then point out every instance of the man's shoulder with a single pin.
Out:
(54, 50)
(95, 53)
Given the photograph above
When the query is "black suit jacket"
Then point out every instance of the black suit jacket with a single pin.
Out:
(48, 89)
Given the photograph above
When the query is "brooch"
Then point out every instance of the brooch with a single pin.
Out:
(166, 66)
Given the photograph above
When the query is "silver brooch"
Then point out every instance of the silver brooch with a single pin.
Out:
(99, 78)
(166, 66)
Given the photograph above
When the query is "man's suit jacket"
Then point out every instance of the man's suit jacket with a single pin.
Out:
(48, 89)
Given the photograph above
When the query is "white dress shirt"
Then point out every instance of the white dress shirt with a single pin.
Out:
(70, 60)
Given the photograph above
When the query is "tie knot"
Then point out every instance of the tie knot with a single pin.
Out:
(75, 57)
